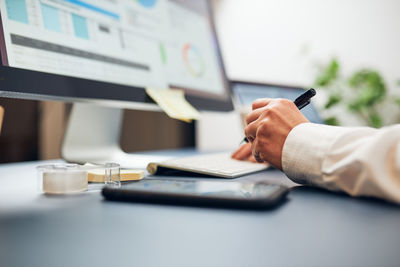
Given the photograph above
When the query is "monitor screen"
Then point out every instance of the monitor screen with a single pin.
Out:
(113, 49)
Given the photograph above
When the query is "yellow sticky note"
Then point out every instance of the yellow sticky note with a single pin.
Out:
(174, 103)
(97, 176)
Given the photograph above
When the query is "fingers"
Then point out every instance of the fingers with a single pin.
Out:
(258, 108)
(256, 153)
(251, 159)
(243, 152)
(255, 114)
(261, 102)
(261, 107)
(251, 129)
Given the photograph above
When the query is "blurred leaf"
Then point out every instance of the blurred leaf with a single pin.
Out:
(370, 87)
(356, 106)
(398, 82)
(332, 101)
(375, 120)
(397, 101)
(328, 74)
(332, 121)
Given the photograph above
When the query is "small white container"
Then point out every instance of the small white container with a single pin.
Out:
(73, 178)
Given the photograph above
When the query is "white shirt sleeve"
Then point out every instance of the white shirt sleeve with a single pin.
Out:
(359, 161)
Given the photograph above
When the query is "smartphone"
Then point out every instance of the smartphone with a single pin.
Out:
(241, 195)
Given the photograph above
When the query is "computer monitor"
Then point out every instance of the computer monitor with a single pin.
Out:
(107, 52)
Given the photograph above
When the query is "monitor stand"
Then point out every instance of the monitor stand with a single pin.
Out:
(93, 134)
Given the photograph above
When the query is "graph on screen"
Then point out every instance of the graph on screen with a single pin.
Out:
(193, 60)
(158, 43)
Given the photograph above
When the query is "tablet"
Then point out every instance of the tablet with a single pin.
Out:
(204, 193)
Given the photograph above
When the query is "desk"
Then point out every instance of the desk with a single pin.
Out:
(312, 228)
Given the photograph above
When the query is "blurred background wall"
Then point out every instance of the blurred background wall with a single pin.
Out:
(280, 42)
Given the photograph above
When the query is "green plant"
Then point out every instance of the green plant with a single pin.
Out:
(361, 93)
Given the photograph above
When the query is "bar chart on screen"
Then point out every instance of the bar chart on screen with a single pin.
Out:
(80, 26)
(17, 10)
(122, 53)
(51, 18)
(157, 43)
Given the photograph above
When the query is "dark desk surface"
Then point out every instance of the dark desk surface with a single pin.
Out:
(312, 228)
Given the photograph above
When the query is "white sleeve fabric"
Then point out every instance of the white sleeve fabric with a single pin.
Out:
(359, 161)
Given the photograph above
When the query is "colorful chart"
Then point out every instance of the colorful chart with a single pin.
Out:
(147, 3)
(193, 60)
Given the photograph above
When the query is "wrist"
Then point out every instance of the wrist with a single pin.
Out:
(304, 150)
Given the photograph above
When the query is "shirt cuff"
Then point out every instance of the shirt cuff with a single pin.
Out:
(304, 150)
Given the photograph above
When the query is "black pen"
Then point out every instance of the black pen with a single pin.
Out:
(300, 102)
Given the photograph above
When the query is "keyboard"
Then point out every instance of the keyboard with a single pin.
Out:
(216, 164)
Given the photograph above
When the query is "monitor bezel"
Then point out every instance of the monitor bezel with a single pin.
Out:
(29, 84)
(261, 83)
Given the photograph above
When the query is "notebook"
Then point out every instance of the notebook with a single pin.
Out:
(215, 164)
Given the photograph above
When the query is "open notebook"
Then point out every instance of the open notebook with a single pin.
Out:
(216, 164)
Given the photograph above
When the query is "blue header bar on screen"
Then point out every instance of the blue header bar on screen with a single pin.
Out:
(94, 8)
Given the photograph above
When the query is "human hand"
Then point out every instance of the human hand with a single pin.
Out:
(268, 125)
(244, 153)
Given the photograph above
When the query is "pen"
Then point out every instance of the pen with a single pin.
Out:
(300, 102)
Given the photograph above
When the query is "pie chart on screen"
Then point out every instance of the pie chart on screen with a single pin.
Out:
(193, 60)
(147, 3)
